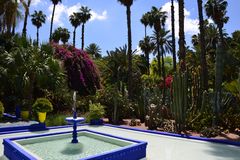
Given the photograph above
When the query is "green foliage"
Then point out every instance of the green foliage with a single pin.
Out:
(1, 109)
(42, 105)
(56, 120)
(26, 104)
(230, 118)
(96, 111)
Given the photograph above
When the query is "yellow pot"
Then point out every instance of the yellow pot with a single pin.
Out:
(25, 115)
(42, 116)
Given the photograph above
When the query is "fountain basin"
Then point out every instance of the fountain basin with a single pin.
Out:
(92, 146)
(72, 120)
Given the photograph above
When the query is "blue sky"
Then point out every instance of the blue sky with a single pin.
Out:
(108, 27)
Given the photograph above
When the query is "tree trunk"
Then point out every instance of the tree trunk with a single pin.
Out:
(37, 35)
(158, 55)
(82, 36)
(24, 31)
(74, 36)
(173, 38)
(148, 64)
(129, 52)
(51, 27)
(182, 49)
(204, 70)
(163, 75)
(145, 29)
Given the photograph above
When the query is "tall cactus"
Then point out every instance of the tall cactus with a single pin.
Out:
(179, 104)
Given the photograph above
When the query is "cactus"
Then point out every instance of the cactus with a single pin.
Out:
(180, 102)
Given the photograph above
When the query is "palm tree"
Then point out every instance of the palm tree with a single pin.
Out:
(55, 2)
(26, 7)
(10, 13)
(128, 4)
(147, 47)
(94, 50)
(182, 49)
(216, 10)
(85, 15)
(75, 21)
(38, 18)
(61, 34)
(157, 21)
(145, 21)
(65, 35)
(204, 70)
(173, 37)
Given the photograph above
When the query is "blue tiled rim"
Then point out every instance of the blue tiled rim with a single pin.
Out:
(228, 142)
(221, 141)
(132, 152)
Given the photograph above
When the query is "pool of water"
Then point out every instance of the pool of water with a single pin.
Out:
(60, 146)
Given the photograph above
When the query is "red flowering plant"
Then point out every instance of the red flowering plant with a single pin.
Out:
(82, 73)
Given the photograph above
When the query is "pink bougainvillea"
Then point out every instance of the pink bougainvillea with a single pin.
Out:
(83, 75)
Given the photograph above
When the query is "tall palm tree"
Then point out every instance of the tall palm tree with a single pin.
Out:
(173, 37)
(147, 46)
(204, 70)
(75, 21)
(94, 50)
(61, 34)
(128, 4)
(55, 2)
(157, 20)
(182, 48)
(26, 7)
(11, 14)
(145, 21)
(85, 15)
(216, 10)
(38, 18)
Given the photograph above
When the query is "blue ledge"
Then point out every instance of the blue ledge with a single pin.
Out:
(132, 152)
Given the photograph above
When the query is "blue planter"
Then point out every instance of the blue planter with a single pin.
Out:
(96, 122)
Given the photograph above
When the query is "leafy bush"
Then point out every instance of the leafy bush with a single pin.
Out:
(96, 111)
(25, 105)
(56, 120)
(42, 105)
(1, 109)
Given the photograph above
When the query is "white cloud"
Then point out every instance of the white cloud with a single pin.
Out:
(190, 25)
(62, 12)
(96, 16)
(138, 51)
(72, 9)
(35, 2)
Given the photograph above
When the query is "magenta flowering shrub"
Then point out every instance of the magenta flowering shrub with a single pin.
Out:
(82, 73)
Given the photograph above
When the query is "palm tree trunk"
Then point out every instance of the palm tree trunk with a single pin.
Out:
(145, 29)
(51, 27)
(182, 49)
(158, 55)
(204, 70)
(173, 38)
(37, 36)
(74, 36)
(148, 64)
(82, 36)
(129, 52)
(24, 30)
(164, 76)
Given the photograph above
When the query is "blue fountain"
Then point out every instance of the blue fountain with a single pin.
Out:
(74, 120)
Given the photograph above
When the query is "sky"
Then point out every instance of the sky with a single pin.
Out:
(108, 24)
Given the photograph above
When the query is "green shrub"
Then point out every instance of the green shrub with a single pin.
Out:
(42, 105)
(96, 111)
(1, 109)
(56, 120)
